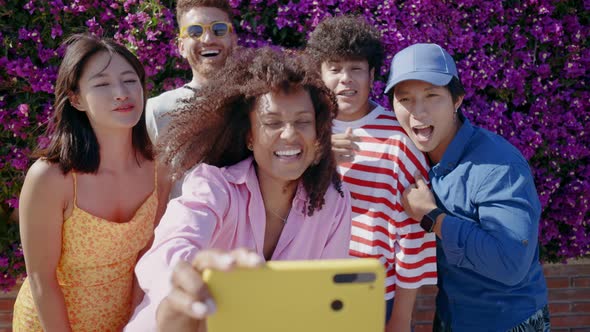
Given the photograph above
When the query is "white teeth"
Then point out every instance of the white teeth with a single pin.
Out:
(347, 93)
(421, 127)
(210, 53)
(288, 152)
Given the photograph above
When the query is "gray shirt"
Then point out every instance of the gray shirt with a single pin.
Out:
(157, 117)
(158, 109)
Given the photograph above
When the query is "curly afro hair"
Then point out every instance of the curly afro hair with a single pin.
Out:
(345, 37)
(214, 125)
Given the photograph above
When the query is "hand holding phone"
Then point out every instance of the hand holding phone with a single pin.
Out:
(189, 302)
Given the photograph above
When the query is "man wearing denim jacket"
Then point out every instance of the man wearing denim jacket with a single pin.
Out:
(483, 205)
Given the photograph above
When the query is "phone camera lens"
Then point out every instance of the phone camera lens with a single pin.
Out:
(337, 305)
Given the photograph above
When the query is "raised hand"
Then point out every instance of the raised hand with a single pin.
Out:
(344, 146)
(189, 302)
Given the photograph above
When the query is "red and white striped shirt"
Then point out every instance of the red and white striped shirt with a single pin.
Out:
(382, 168)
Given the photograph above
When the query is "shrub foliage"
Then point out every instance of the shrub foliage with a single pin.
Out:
(524, 64)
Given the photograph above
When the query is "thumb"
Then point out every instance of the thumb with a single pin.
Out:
(350, 135)
(420, 182)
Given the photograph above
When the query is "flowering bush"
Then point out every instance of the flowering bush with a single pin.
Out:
(524, 64)
(12, 265)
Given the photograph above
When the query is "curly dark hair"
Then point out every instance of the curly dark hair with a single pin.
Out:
(344, 38)
(214, 125)
(73, 144)
(183, 6)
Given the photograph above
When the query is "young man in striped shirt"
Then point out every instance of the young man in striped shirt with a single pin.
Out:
(377, 161)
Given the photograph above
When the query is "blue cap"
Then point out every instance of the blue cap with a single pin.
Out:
(423, 62)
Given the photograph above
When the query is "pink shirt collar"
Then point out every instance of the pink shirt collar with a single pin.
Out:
(244, 172)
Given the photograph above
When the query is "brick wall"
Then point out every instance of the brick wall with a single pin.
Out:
(569, 297)
(569, 300)
(6, 304)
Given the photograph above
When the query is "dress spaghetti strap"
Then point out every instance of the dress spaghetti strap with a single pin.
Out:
(75, 190)
(156, 176)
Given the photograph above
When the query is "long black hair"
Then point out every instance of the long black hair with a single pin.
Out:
(73, 144)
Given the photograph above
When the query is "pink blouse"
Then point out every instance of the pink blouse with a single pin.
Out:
(222, 208)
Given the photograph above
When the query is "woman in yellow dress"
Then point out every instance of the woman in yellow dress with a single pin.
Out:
(89, 204)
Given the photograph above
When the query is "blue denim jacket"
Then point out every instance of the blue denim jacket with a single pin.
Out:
(489, 275)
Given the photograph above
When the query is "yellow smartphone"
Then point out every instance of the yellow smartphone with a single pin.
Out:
(304, 296)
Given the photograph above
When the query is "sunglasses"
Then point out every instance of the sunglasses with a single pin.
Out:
(219, 29)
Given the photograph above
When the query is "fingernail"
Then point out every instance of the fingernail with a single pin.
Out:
(254, 260)
(225, 260)
(211, 307)
(199, 310)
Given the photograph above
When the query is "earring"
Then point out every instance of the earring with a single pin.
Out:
(250, 146)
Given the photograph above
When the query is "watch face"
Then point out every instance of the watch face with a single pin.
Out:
(426, 223)
(429, 219)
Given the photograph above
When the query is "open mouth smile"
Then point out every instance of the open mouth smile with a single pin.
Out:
(288, 154)
(347, 93)
(423, 132)
(210, 53)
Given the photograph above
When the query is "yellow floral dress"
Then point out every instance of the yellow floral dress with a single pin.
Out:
(95, 270)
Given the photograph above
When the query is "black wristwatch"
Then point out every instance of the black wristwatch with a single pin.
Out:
(429, 220)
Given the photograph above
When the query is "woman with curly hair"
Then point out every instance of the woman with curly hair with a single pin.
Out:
(267, 184)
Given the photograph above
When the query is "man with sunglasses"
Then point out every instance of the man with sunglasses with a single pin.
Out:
(206, 39)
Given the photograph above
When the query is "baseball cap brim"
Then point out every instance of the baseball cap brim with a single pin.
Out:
(439, 79)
